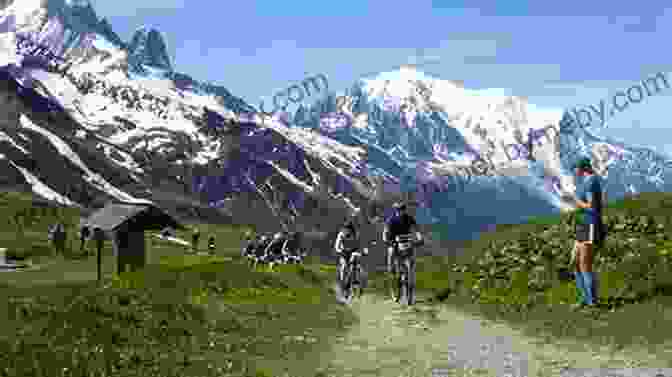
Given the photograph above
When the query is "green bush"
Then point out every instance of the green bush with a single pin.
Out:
(632, 265)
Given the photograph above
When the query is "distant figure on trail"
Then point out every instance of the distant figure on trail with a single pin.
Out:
(211, 244)
(250, 245)
(58, 236)
(84, 234)
(273, 252)
(194, 239)
(99, 237)
(260, 251)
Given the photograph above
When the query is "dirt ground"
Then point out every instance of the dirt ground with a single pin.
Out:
(436, 340)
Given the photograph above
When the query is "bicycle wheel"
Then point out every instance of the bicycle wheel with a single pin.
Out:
(403, 283)
(410, 281)
(356, 284)
(346, 284)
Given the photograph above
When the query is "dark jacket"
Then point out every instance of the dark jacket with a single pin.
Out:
(399, 225)
(275, 247)
(261, 247)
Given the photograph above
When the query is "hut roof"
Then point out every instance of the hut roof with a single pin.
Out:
(143, 216)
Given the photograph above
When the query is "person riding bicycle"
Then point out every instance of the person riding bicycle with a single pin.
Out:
(250, 245)
(274, 249)
(347, 241)
(291, 249)
(260, 249)
(400, 224)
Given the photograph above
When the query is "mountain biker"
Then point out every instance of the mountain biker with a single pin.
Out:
(292, 246)
(274, 249)
(250, 246)
(400, 224)
(260, 249)
(347, 241)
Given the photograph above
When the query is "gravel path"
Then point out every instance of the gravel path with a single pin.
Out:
(391, 340)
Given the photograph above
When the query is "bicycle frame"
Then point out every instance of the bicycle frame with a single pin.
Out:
(406, 264)
(351, 274)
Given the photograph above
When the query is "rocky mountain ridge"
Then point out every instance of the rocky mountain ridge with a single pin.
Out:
(120, 132)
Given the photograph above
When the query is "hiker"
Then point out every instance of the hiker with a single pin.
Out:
(99, 237)
(250, 246)
(589, 230)
(84, 234)
(211, 244)
(194, 239)
(58, 237)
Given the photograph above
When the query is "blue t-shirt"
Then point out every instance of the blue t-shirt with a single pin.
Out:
(591, 191)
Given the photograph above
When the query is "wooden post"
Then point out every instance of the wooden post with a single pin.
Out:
(100, 262)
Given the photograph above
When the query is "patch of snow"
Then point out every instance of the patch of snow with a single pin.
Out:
(103, 44)
(292, 178)
(4, 136)
(92, 178)
(8, 53)
(128, 163)
(173, 239)
(321, 146)
(41, 188)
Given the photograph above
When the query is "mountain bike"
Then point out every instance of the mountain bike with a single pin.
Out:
(406, 274)
(352, 275)
(295, 258)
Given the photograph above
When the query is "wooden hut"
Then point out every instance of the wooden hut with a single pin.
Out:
(125, 224)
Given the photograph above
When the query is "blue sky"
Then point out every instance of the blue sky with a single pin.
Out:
(557, 53)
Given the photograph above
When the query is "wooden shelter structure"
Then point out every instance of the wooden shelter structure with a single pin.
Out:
(125, 224)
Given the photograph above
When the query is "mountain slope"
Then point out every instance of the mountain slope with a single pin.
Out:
(458, 148)
(104, 131)
(121, 123)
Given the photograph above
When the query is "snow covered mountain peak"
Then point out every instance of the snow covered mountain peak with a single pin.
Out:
(132, 127)
(148, 49)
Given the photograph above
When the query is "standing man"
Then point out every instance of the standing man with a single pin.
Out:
(84, 234)
(589, 230)
(60, 238)
(194, 239)
(211, 245)
(99, 237)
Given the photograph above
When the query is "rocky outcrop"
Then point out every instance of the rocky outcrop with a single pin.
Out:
(105, 29)
(147, 48)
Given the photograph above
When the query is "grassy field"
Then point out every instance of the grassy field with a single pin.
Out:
(191, 315)
(184, 315)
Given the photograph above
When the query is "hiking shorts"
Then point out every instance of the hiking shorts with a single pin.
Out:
(589, 233)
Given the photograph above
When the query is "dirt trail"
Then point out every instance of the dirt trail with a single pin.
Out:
(391, 340)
